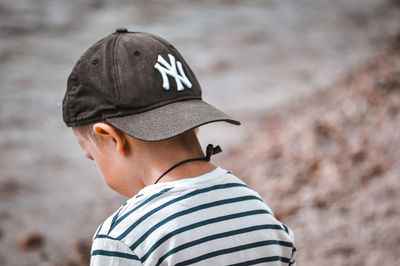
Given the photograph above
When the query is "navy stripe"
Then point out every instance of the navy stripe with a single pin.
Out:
(98, 231)
(292, 260)
(190, 210)
(261, 260)
(235, 249)
(116, 216)
(105, 236)
(191, 194)
(115, 223)
(114, 254)
(217, 236)
(199, 224)
(286, 229)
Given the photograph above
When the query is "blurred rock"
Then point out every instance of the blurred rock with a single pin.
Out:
(69, 263)
(389, 84)
(82, 248)
(345, 250)
(31, 241)
(10, 187)
(287, 208)
(373, 172)
(320, 203)
(81, 256)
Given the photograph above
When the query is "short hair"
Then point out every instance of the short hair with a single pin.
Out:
(85, 130)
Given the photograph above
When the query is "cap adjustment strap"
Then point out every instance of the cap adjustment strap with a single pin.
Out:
(211, 150)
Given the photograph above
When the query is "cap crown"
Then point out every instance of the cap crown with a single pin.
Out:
(126, 73)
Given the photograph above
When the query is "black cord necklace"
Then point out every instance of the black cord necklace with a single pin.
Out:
(211, 150)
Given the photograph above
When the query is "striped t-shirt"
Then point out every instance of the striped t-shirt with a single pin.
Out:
(212, 219)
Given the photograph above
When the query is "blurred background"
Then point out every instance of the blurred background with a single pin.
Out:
(316, 84)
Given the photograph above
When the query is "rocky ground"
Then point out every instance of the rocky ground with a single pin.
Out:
(329, 166)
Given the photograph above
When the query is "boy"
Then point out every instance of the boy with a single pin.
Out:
(134, 105)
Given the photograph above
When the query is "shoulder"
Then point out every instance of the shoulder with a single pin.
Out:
(109, 251)
(107, 248)
(105, 227)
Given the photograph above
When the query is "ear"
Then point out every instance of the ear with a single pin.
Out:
(110, 133)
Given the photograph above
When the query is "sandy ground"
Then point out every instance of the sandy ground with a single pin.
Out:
(284, 68)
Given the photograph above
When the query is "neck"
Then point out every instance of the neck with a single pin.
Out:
(153, 159)
(186, 170)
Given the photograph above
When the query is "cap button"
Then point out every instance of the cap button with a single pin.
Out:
(121, 30)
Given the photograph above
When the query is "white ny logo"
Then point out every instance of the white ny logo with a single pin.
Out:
(170, 69)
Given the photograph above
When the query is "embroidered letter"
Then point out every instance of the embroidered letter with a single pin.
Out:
(170, 69)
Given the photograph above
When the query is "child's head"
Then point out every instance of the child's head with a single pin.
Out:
(131, 96)
(115, 153)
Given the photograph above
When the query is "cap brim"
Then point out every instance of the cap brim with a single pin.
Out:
(169, 120)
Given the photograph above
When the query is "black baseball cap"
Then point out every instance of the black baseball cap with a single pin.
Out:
(139, 83)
